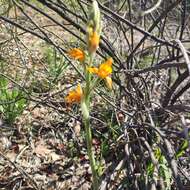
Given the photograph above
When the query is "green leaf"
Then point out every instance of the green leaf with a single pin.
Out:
(182, 149)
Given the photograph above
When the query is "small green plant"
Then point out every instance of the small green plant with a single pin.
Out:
(145, 62)
(12, 101)
(182, 149)
(164, 171)
(56, 64)
(105, 148)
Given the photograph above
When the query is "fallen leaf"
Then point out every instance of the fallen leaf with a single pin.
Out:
(11, 155)
(77, 129)
(55, 156)
(42, 150)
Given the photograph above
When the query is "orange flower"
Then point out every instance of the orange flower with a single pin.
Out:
(104, 70)
(75, 95)
(77, 54)
(94, 40)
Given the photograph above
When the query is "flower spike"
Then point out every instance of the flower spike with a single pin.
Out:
(94, 28)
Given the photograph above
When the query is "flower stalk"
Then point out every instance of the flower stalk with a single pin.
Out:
(85, 107)
(83, 95)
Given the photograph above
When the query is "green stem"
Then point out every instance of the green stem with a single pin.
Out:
(85, 109)
(91, 155)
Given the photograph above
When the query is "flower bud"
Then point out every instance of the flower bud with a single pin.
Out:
(94, 28)
(109, 82)
(96, 15)
(85, 111)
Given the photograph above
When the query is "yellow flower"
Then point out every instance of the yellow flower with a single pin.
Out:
(77, 54)
(94, 40)
(75, 95)
(104, 70)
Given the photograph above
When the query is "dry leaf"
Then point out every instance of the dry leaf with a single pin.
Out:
(11, 155)
(77, 129)
(54, 156)
(42, 150)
